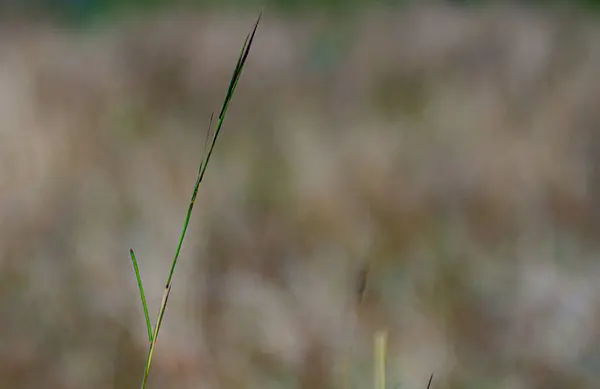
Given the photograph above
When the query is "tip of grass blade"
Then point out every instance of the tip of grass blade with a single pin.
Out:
(237, 71)
(430, 379)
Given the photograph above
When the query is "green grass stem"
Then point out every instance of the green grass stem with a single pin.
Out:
(153, 334)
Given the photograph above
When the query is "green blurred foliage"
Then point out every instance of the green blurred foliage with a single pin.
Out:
(85, 10)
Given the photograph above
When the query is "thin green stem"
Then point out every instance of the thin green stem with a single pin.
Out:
(201, 170)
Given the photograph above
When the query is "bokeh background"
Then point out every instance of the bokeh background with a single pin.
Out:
(454, 147)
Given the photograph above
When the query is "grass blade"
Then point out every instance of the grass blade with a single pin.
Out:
(142, 294)
(430, 379)
(241, 62)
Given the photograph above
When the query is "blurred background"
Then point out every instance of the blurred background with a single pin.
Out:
(453, 148)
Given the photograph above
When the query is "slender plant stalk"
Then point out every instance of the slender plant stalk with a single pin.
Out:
(153, 335)
(380, 356)
(380, 338)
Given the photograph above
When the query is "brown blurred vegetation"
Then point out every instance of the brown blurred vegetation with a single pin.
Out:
(457, 151)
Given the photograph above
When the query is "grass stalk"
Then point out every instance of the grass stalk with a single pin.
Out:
(153, 333)
(380, 355)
